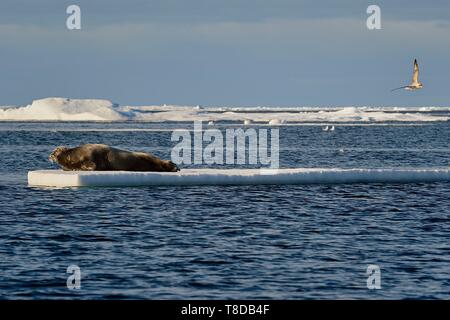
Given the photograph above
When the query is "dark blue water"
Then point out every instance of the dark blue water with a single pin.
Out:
(243, 242)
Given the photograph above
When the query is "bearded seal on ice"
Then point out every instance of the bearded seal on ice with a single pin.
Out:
(100, 157)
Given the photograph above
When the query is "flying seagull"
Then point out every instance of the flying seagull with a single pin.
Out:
(415, 84)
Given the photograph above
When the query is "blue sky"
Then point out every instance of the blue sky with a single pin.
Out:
(228, 52)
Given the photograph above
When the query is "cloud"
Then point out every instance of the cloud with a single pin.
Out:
(180, 54)
(101, 12)
(317, 34)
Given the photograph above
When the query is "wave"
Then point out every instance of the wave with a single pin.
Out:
(64, 109)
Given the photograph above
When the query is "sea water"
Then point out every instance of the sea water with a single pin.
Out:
(220, 242)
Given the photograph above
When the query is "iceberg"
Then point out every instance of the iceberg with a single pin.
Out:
(64, 109)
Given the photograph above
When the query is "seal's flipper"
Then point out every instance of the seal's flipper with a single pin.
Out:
(88, 166)
(174, 167)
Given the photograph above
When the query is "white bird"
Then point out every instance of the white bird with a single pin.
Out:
(325, 129)
(415, 84)
(332, 128)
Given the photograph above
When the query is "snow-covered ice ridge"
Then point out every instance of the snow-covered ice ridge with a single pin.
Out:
(59, 178)
(64, 109)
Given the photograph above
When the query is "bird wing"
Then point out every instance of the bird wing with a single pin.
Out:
(415, 76)
(399, 88)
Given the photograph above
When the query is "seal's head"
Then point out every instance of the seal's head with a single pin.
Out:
(53, 157)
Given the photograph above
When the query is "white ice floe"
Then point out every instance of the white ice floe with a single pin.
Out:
(62, 109)
(59, 178)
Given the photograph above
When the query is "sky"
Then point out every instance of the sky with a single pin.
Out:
(225, 52)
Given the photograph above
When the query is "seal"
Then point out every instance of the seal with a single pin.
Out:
(100, 157)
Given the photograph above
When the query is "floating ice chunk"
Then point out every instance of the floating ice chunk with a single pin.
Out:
(59, 178)
(277, 121)
(274, 121)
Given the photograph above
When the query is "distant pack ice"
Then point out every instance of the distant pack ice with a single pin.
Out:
(63, 109)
